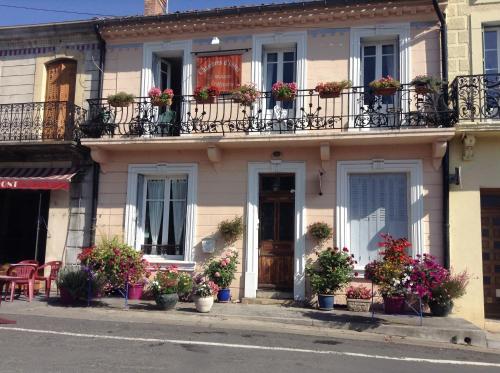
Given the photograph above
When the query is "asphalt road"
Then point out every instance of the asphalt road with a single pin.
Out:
(46, 344)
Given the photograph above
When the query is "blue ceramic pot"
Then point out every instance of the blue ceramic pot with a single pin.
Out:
(326, 302)
(224, 295)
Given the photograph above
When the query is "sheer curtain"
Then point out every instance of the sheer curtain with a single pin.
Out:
(179, 192)
(155, 196)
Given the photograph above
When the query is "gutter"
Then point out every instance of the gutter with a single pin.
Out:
(446, 159)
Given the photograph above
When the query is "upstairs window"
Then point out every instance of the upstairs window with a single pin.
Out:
(279, 65)
(379, 59)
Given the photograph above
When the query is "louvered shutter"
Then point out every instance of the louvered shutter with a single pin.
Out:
(378, 203)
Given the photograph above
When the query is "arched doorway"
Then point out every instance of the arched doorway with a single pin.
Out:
(59, 99)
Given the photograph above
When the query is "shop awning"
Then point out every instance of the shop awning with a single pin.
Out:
(36, 178)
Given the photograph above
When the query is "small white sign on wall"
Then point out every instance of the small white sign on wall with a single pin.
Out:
(208, 245)
(498, 293)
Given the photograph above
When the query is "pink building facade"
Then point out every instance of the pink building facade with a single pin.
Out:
(363, 163)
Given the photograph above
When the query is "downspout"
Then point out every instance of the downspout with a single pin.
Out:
(96, 167)
(446, 159)
(95, 194)
(102, 59)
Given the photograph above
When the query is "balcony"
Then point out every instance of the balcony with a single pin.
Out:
(355, 109)
(477, 98)
(40, 121)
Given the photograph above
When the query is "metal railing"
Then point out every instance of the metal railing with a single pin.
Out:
(357, 107)
(476, 97)
(33, 121)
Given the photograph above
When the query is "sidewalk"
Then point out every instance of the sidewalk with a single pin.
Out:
(247, 316)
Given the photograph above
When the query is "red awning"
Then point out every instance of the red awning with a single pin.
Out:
(36, 178)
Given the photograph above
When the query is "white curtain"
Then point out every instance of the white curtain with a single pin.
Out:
(179, 192)
(378, 203)
(140, 212)
(155, 196)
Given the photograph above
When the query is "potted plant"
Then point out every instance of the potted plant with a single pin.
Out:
(331, 271)
(119, 264)
(222, 271)
(284, 91)
(320, 232)
(73, 285)
(204, 291)
(231, 230)
(390, 273)
(245, 95)
(206, 95)
(359, 298)
(165, 286)
(385, 86)
(185, 286)
(332, 89)
(120, 99)
(443, 294)
(424, 84)
(159, 98)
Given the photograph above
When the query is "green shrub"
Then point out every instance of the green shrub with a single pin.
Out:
(320, 232)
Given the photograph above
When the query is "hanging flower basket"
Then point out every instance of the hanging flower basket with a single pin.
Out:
(332, 89)
(159, 98)
(206, 95)
(120, 99)
(391, 91)
(284, 91)
(422, 89)
(386, 86)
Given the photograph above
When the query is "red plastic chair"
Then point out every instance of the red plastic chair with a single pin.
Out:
(55, 266)
(24, 274)
(29, 261)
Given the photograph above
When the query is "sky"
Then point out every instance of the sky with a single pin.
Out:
(9, 15)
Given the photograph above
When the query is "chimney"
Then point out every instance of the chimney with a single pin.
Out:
(155, 7)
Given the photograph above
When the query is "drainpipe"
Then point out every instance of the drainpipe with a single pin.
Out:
(95, 193)
(446, 159)
(102, 59)
(96, 167)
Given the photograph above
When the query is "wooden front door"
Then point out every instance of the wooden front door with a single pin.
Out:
(490, 229)
(276, 231)
(59, 98)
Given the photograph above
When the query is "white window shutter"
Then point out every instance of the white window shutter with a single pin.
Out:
(378, 203)
(139, 240)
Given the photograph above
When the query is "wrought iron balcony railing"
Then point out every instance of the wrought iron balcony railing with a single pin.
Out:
(34, 121)
(355, 108)
(476, 98)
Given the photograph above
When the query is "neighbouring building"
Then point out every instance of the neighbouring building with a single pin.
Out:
(474, 70)
(364, 163)
(47, 73)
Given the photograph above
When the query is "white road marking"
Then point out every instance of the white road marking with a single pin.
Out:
(253, 347)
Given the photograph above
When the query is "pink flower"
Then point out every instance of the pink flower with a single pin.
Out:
(345, 249)
(154, 92)
(223, 264)
(217, 274)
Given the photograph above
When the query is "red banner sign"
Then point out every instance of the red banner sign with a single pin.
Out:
(223, 72)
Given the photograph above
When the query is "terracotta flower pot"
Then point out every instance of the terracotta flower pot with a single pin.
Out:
(422, 89)
(159, 102)
(209, 100)
(331, 94)
(390, 91)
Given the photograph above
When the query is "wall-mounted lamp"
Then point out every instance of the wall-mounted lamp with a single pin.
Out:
(215, 41)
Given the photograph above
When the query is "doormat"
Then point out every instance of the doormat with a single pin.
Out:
(5, 321)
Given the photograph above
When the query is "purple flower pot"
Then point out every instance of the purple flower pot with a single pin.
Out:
(135, 291)
(394, 305)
